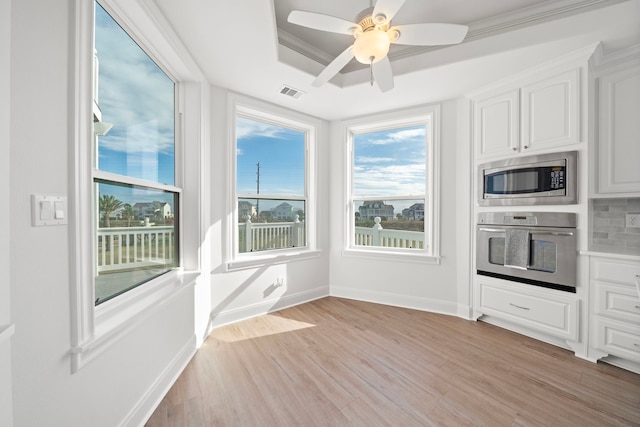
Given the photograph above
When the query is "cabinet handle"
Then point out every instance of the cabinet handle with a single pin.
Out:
(526, 146)
(519, 306)
(514, 149)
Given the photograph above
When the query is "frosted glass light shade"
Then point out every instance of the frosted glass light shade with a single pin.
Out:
(371, 44)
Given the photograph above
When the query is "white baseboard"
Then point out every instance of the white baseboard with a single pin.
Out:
(231, 316)
(397, 300)
(141, 412)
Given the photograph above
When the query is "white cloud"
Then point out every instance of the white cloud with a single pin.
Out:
(393, 137)
(247, 128)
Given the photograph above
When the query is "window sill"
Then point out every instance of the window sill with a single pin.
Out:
(117, 317)
(377, 255)
(255, 260)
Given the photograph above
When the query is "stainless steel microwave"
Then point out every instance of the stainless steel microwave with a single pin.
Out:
(545, 179)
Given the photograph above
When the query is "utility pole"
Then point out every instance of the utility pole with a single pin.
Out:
(258, 188)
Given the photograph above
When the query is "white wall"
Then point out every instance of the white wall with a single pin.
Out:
(243, 293)
(405, 283)
(6, 399)
(120, 385)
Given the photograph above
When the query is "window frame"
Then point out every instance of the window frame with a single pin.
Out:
(253, 109)
(94, 329)
(430, 117)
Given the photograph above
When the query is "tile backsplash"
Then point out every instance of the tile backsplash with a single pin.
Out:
(608, 230)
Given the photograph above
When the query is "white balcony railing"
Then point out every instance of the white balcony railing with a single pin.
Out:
(270, 235)
(274, 235)
(122, 248)
(378, 236)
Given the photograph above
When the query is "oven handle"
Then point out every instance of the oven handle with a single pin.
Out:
(553, 233)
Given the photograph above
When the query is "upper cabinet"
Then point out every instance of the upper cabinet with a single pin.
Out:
(538, 110)
(497, 124)
(551, 111)
(618, 139)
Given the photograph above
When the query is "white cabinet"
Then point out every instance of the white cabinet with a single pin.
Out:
(615, 307)
(550, 312)
(551, 111)
(544, 113)
(497, 124)
(618, 142)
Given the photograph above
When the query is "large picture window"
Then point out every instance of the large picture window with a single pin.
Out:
(392, 172)
(136, 200)
(271, 184)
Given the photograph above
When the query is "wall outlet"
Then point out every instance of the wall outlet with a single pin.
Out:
(633, 220)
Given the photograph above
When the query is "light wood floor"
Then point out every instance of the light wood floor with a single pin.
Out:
(337, 362)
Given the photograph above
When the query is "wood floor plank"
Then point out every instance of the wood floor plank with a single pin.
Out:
(339, 362)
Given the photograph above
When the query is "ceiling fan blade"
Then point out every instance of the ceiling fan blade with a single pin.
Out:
(383, 74)
(333, 68)
(431, 34)
(385, 10)
(318, 21)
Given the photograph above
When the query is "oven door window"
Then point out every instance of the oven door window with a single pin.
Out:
(542, 254)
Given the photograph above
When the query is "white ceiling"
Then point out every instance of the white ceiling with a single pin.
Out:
(248, 46)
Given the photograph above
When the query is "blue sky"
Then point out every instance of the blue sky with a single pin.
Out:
(390, 163)
(281, 154)
(137, 97)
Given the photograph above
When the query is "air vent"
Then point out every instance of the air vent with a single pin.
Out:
(289, 91)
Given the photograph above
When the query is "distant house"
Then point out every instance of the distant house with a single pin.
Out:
(153, 210)
(414, 212)
(374, 208)
(284, 211)
(246, 208)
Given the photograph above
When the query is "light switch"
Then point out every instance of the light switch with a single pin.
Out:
(59, 210)
(46, 206)
(48, 210)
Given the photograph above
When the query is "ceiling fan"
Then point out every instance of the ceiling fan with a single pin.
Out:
(373, 35)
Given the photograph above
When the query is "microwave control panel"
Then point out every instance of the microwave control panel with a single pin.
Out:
(557, 178)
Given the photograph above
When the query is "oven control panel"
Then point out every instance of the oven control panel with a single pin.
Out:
(520, 220)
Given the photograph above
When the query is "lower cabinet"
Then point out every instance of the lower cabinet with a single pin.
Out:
(550, 312)
(615, 307)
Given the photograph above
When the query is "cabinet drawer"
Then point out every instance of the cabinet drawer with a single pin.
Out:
(618, 302)
(618, 339)
(622, 272)
(550, 314)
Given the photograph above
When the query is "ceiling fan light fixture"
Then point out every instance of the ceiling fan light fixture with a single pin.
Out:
(371, 46)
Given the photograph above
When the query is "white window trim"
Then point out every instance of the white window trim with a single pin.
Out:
(253, 108)
(431, 115)
(95, 329)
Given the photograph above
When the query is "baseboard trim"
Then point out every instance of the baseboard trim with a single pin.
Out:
(142, 410)
(397, 300)
(227, 317)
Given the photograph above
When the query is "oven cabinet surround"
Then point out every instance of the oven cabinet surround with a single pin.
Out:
(538, 110)
(615, 310)
(545, 314)
(617, 144)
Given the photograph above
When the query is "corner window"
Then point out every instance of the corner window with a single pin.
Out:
(136, 201)
(392, 201)
(271, 203)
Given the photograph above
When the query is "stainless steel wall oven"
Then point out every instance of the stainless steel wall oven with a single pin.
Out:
(534, 248)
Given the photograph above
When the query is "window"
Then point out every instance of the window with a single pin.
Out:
(271, 204)
(128, 259)
(136, 206)
(392, 203)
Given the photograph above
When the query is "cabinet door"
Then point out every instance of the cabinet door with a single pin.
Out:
(551, 112)
(619, 139)
(496, 124)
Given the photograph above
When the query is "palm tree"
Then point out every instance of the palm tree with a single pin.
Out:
(107, 205)
(128, 213)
